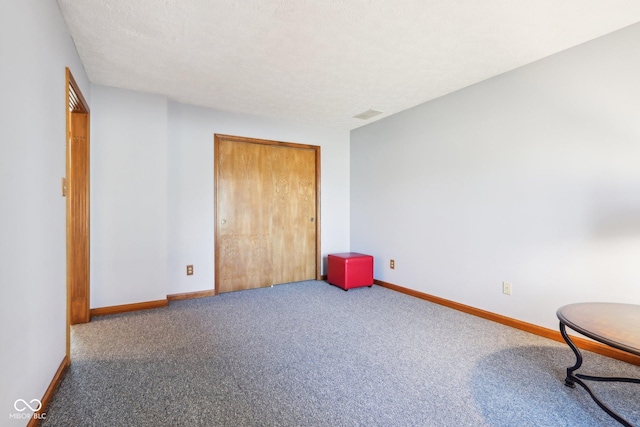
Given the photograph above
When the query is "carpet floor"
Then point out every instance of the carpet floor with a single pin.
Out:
(310, 354)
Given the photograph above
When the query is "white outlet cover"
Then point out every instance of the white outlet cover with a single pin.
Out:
(506, 288)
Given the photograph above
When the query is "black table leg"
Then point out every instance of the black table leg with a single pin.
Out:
(573, 379)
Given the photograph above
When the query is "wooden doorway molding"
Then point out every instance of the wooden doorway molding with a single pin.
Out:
(267, 212)
(77, 203)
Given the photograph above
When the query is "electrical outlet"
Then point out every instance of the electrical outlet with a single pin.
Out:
(506, 288)
(189, 270)
(392, 264)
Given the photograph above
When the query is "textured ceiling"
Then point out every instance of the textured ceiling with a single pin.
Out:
(324, 62)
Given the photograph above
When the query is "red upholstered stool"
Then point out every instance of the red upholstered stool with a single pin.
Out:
(350, 270)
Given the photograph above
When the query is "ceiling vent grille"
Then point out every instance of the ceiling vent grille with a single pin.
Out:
(367, 114)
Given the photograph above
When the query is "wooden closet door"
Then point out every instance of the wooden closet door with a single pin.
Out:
(293, 214)
(266, 225)
(78, 256)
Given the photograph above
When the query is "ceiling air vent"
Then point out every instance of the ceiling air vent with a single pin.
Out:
(367, 114)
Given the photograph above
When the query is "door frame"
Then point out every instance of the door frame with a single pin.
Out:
(75, 103)
(216, 170)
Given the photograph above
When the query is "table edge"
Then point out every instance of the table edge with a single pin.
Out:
(610, 343)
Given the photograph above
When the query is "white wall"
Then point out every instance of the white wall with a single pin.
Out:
(152, 192)
(35, 48)
(191, 197)
(128, 197)
(532, 177)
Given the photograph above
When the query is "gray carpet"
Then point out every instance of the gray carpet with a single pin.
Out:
(310, 354)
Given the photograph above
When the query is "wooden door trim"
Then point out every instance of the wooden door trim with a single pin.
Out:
(216, 142)
(75, 103)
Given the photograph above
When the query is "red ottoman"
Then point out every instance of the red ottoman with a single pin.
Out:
(350, 270)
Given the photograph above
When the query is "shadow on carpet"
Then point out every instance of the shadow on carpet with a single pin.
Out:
(511, 386)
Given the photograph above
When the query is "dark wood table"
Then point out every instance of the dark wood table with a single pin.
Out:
(616, 325)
